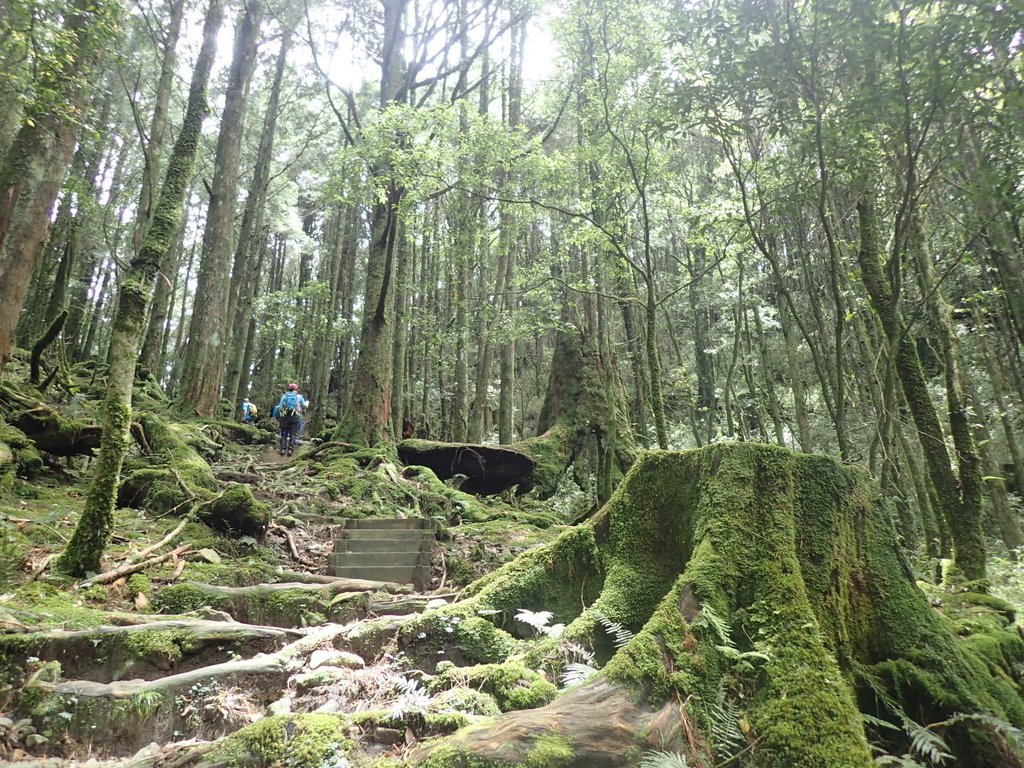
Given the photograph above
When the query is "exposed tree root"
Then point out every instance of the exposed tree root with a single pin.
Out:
(142, 650)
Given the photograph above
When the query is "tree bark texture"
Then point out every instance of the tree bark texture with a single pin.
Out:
(963, 519)
(727, 553)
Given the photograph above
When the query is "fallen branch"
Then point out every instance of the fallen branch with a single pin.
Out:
(162, 543)
(38, 570)
(292, 547)
(130, 568)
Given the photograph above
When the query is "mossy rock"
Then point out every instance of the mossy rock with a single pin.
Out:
(235, 512)
(512, 685)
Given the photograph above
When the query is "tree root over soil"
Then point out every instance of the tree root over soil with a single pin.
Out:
(208, 702)
(145, 650)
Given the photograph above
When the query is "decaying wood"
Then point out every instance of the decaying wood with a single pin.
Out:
(76, 649)
(345, 583)
(162, 543)
(489, 469)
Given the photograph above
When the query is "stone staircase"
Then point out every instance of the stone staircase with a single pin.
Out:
(384, 549)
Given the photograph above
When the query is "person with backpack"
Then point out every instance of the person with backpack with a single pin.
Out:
(290, 410)
(249, 411)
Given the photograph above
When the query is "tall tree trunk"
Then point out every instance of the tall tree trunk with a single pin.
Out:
(86, 546)
(153, 148)
(367, 419)
(209, 326)
(243, 278)
(34, 167)
(957, 502)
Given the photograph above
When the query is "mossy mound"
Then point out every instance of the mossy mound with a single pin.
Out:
(284, 740)
(172, 475)
(762, 602)
(18, 454)
(235, 512)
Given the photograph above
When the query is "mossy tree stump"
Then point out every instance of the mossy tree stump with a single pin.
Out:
(771, 607)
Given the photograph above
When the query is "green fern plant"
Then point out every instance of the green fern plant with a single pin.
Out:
(716, 625)
(620, 635)
(577, 673)
(725, 727)
(662, 759)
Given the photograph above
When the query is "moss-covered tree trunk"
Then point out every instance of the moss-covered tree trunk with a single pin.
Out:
(582, 422)
(770, 608)
(86, 546)
(367, 418)
(959, 498)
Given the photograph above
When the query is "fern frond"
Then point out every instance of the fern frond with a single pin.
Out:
(582, 654)
(575, 674)
(1010, 732)
(725, 728)
(708, 619)
(926, 743)
(662, 759)
(620, 634)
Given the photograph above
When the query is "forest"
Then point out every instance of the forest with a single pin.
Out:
(492, 383)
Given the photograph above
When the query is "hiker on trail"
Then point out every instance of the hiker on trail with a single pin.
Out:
(249, 411)
(290, 410)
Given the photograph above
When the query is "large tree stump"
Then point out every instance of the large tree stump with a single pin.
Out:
(771, 607)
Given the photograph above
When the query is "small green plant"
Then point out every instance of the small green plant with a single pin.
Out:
(662, 759)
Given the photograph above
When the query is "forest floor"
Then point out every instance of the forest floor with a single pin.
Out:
(223, 635)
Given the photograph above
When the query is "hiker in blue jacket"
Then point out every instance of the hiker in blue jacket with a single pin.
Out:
(290, 409)
(249, 411)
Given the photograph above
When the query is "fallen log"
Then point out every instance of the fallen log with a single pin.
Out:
(488, 469)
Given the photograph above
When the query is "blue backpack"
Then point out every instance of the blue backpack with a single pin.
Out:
(290, 403)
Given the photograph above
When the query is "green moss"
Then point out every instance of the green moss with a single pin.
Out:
(160, 647)
(290, 741)
(235, 511)
(512, 685)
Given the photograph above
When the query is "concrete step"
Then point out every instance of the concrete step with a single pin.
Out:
(384, 545)
(342, 559)
(395, 534)
(402, 574)
(391, 524)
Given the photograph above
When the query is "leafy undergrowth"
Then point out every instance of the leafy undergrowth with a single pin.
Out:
(351, 698)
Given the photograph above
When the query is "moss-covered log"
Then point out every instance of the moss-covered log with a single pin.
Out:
(489, 469)
(50, 429)
(770, 607)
